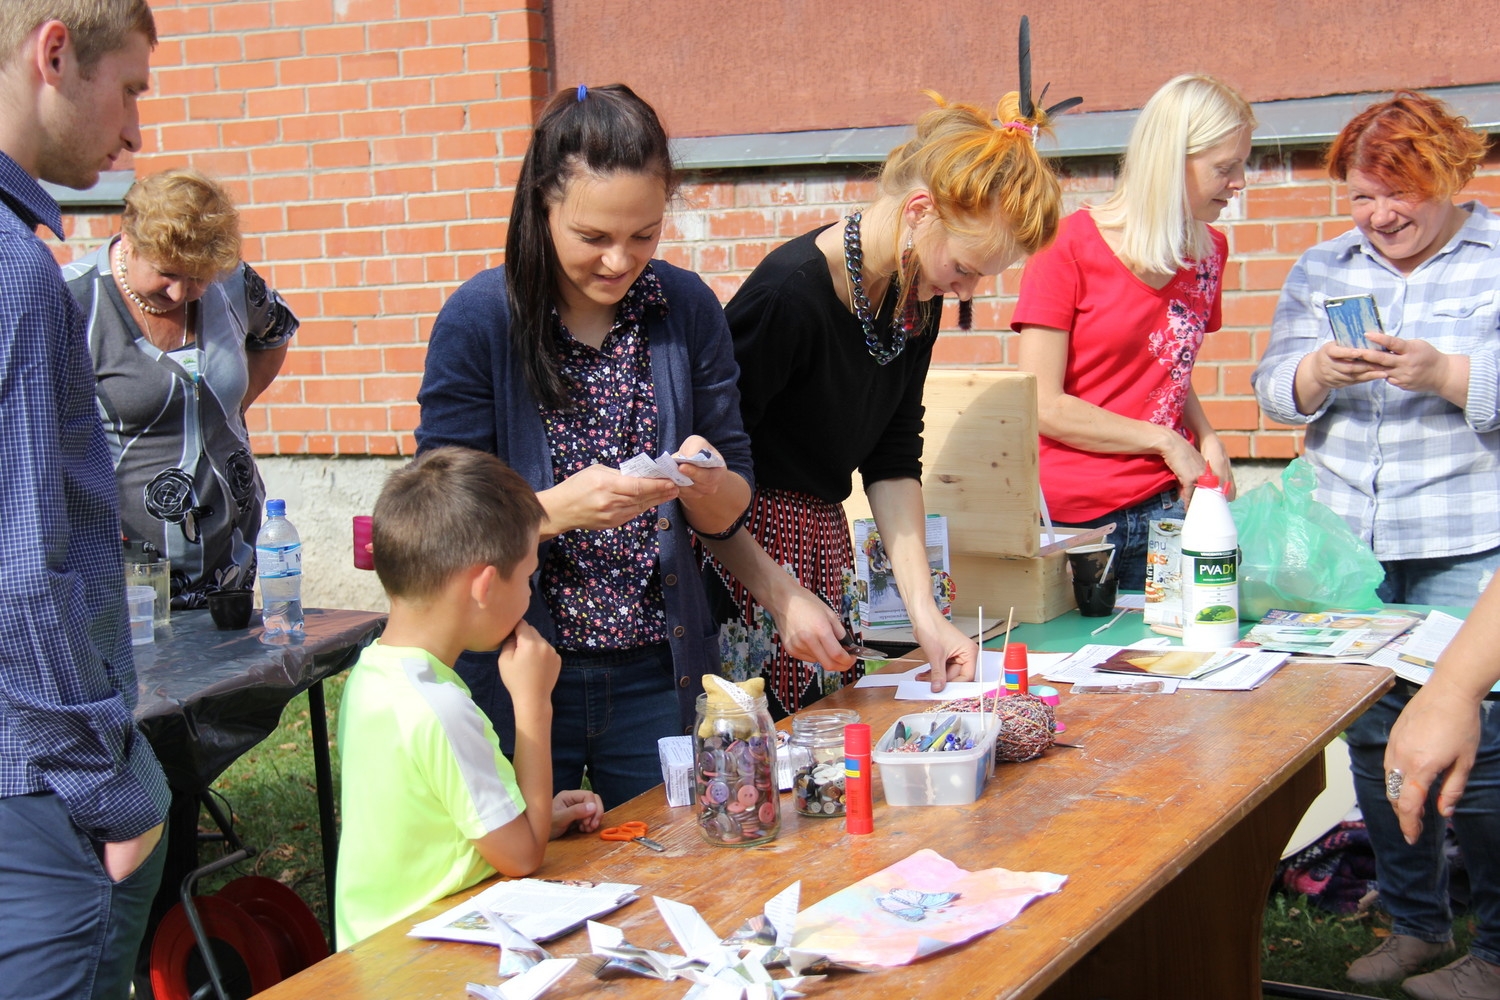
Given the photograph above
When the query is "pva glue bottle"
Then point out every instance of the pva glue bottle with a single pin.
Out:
(1210, 570)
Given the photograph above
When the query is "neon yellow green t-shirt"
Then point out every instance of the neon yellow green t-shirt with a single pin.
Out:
(422, 776)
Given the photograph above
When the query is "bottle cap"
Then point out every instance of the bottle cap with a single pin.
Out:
(1209, 480)
(1015, 656)
(276, 508)
(857, 738)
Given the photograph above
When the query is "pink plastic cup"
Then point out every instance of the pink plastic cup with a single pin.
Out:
(363, 557)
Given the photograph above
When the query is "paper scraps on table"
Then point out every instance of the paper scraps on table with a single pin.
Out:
(664, 466)
(918, 906)
(910, 688)
(537, 909)
(736, 968)
(518, 953)
(528, 985)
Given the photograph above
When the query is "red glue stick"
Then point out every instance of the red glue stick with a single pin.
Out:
(859, 815)
(1017, 677)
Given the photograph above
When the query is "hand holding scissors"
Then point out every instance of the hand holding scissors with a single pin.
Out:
(634, 830)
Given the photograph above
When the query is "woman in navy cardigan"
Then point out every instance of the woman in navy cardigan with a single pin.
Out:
(578, 354)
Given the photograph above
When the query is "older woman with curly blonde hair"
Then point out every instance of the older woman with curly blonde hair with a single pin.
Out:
(184, 337)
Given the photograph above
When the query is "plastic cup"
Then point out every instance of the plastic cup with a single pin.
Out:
(363, 558)
(1096, 579)
(141, 603)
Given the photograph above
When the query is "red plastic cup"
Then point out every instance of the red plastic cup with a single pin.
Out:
(363, 557)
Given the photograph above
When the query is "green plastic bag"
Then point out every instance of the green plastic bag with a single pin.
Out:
(1298, 555)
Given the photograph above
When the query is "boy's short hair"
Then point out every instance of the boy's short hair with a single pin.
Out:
(451, 509)
(97, 27)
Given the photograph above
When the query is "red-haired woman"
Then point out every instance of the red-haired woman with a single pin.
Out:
(1405, 437)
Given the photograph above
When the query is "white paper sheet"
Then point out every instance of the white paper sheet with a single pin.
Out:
(1244, 675)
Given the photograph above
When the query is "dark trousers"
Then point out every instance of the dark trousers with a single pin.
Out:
(66, 930)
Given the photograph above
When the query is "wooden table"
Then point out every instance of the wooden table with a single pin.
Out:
(1167, 824)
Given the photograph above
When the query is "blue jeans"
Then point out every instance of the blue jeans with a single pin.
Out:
(1449, 581)
(66, 929)
(1132, 531)
(1413, 878)
(608, 711)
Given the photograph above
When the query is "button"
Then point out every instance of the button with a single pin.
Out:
(682, 682)
(679, 631)
(670, 579)
(662, 524)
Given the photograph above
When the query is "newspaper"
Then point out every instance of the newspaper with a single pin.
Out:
(538, 908)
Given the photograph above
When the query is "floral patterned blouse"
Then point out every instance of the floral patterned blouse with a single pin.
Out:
(604, 587)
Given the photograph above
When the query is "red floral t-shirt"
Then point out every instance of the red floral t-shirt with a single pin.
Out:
(1131, 350)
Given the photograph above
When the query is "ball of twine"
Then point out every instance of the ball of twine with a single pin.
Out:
(1026, 727)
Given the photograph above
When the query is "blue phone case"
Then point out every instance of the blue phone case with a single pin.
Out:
(1350, 317)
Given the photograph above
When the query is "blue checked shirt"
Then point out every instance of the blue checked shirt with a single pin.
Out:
(67, 678)
(1414, 476)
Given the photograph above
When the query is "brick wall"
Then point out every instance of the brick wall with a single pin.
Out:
(371, 144)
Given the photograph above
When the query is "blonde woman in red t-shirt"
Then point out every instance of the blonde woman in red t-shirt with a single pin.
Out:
(1112, 315)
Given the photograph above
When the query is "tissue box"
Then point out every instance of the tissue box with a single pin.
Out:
(937, 778)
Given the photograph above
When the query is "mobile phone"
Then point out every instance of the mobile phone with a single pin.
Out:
(1351, 316)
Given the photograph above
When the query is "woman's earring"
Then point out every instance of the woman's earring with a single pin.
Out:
(906, 321)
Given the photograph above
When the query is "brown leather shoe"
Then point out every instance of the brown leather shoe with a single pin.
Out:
(1469, 978)
(1397, 957)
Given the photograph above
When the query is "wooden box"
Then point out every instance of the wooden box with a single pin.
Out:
(1038, 587)
(980, 468)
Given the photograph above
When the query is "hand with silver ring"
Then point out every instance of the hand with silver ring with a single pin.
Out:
(1394, 779)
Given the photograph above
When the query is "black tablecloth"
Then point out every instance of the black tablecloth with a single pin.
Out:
(208, 696)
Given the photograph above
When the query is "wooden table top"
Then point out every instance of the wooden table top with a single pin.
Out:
(1160, 778)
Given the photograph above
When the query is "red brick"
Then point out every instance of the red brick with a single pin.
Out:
(300, 71)
(475, 236)
(278, 158)
(400, 93)
(290, 13)
(1236, 380)
(277, 103)
(427, 9)
(331, 391)
(1294, 202)
(273, 44)
(176, 22)
(310, 128)
(1236, 445)
(403, 150)
(415, 239)
(445, 207)
(467, 146)
(465, 176)
(326, 155)
(461, 30)
(371, 124)
(1266, 274)
(284, 189)
(351, 302)
(319, 444)
(334, 40)
(403, 359)
(795, 222)
(1295, 237)
(318, 332)
(356, 361)
(223, 163)
(368, 10)
(1232, 414)
(1249, 308)
(420, 299)
(403, 180)
(465, 88)
(338, 97)
(369, 66)
(262, 132)
(1225, 345)
(301, 361)
(298, 418)
(242, 15)
(392, 388)
(531, 83)
(352, 444)
(348, 184)
(377, 212)
(1251, 237)
(357, 418)
(431, 61)
(405, 416)
(247, 75)
(1206, 380)
(1277, 446)
(306, 218)
(396, 33)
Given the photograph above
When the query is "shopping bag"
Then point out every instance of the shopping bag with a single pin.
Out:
(1298, 555)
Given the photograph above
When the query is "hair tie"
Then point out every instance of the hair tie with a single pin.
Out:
(583, 91)
(1028, 127)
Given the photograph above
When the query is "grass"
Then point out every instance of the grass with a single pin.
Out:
(275, 808)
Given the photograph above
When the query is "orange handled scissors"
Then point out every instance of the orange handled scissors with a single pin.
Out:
(634, 830)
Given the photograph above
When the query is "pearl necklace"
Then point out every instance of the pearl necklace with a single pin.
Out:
(131, 292)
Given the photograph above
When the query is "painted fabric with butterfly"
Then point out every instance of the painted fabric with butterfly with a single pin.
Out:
(916, 907)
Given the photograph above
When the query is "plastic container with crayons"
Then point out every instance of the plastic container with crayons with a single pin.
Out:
(937, 777)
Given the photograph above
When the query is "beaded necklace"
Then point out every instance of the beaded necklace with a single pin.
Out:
(854, 259)
(125, 284)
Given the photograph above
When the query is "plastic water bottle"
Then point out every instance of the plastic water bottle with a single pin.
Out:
(1210, 570)
(278, 557)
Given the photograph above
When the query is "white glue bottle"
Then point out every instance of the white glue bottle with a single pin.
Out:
(1210, 570)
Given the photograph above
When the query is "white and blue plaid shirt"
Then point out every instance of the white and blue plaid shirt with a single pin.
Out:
(1415, 476)
(67, 678)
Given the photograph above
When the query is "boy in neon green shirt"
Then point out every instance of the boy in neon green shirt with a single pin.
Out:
(430, 805)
